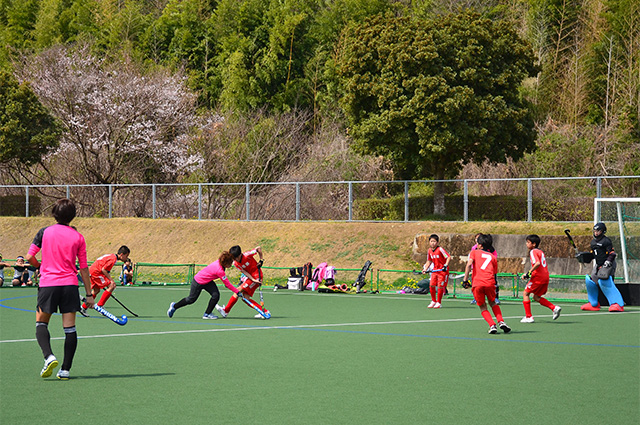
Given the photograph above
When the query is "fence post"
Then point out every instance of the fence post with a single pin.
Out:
(406, 201)
(350, 201)
(248, 201)
(297, 201)
(26, 202)
(529, 201)
(599, 187)
(153, 200)
(199, 201)
(110, 200)
(68, 193)
(465, 204)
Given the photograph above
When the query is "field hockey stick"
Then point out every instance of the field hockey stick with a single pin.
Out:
(261, 280)
(255, 307)
(123, 306)
(119, 320)
(571, 242)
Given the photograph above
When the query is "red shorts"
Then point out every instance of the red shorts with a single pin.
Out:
(439, 279)
(99, 282)
(480, 292)
(249, 287)
(537, 288)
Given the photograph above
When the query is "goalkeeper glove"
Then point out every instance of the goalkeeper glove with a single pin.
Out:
(466, 284)
(526, 276)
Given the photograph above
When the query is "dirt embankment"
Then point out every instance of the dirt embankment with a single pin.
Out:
(288, 244)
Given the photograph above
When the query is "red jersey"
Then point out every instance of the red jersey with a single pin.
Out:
(485, 267)
(541, 274)
(106, 262)
(438, 257)
(248, 264)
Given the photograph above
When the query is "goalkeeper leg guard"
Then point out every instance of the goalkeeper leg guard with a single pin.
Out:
(610, 291)
(592, 291)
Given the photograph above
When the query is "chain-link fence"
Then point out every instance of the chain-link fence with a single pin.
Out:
(533, 199)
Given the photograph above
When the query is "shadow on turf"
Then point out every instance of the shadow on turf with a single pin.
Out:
(130, 375)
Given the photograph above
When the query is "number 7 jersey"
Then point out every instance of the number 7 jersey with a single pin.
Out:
(485, 267)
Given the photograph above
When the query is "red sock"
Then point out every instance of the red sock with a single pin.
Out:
(440, 293)
(84, 306)
(487, 316)
(497, 312)
(545, 302)
(432, 291)
(104, 298)
(230, 304)
(527, 308)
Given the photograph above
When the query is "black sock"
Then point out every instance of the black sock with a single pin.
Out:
(70, 345)
(43, 338)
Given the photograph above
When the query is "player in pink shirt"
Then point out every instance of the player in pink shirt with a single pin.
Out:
(60, 246)
(485, 266)
(205, 280)
(538, 283)
(437, 259)
(250, 280)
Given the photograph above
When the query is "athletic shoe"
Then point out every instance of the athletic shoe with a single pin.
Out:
(556, 312)
(258, 316)
(504, 327)
(473, 301)
(171, 310)
(209, 316)
(493, 329)
(83, 311)
(431, 304)
(50, 363)
(616, 307)
(63, 375)
(526, 319)
(220, 309)
(437, 305)
(589, 307)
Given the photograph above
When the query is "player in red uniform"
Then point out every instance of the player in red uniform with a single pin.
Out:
(250, 280)
(437, 259)
(538, 280)
(485, 267)
(100, 277)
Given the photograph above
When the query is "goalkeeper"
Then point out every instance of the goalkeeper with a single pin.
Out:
(604, 269)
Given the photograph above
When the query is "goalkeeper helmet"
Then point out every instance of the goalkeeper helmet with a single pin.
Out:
(601, 227)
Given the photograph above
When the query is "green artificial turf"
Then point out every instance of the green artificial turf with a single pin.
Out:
(322, 359)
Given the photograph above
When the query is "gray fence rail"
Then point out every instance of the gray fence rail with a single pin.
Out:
(407, 200)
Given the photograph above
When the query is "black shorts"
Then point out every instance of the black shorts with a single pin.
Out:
(52, 298)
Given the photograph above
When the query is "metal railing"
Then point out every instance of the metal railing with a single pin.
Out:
(327, 200)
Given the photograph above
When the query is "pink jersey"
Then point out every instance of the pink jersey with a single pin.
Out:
(541, 274)
(438, 257)
(61, 245)
(212, 272)
(485, 267)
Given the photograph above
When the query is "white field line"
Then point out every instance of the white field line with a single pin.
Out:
(324, 325)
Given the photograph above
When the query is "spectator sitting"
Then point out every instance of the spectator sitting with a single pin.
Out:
(22, 274)
(126, 277)
(2, 266)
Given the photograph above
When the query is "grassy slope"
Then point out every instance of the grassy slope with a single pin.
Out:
(286, 244)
